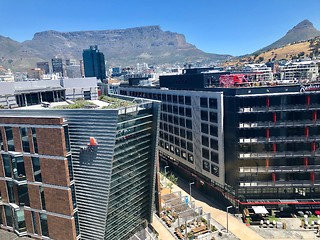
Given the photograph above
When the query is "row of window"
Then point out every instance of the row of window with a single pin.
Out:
(177, 141)
(209, 116)
(176, 120)
(161, 97)
(211, 168)
(176, 131)
(279, 147)
(208, 103)
(209, 129)
(210, 155)
(182, 111)
(210, 142)
(177, 151)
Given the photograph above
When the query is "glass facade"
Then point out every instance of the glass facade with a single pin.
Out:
(129, 199)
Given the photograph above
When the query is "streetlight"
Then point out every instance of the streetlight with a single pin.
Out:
(227, 217)
(165, 174)
(190, 184)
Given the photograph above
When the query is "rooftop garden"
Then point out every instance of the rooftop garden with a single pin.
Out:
(115, 102)
(77, 105)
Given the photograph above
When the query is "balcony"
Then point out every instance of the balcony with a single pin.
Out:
(280, 183)
(277, 169)
(280, 139)
(279, 154)
(270, 124)
(279, 108)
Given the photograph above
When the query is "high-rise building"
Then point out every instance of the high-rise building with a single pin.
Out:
(57, 66)
(94, 63)
(44, 66)
(86, 174)
(244, 145)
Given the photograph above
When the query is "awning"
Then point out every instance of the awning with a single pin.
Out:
(260, 210)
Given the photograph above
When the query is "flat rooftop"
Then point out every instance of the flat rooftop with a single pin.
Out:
(105, 102)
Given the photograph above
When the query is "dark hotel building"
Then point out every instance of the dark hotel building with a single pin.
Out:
(57, 66)
(94, 63)
(247, 145)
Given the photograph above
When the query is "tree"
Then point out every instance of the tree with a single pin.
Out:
(172, 180)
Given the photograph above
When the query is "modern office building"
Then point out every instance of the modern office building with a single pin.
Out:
(73, 174)
(249, 145)
(44, 66)
(94, 63)
(57, 66)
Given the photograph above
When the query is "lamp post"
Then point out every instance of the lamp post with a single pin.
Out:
(227, 217)
(190, 184)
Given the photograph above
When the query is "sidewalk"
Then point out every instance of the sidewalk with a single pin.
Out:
(164, 234)
(239, 229)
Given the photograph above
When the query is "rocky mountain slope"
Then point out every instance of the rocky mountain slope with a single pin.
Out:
(121, 47)
(301, 32)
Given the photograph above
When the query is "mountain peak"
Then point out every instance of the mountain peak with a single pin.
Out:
(301, 32)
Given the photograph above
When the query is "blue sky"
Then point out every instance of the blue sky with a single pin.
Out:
(228, 26)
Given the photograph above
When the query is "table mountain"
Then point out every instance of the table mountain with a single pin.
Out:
(147, 44)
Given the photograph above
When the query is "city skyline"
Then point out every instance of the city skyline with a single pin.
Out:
(230, 27)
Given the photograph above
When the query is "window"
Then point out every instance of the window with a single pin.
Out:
(18, 169)
(213, 103)
(73, 194)
(8, 213)
(215, 170)
(175, 110)
(76, 220)
(190, 146)
(182, 133)
(188, 112)
(204, 128)
(176, 131)
(183, 154)
(169, 98)
(66, 137)
(34, 139)
(182, 122)
(170, 118)
(161, 125)
(177, 141)
(190, 158)
(213, 117)
(188, 123)
(44, 224)
(187, 100)
(171, 139)
(206, 166)
(183, 143)
(170, 108)
(204, 115)
(9, 136)
(204, 102)
(10, 191)
(175, 120)
(181, 100)
(171, 149)
(161, 144)
(205, 153)
(6, 165)
(205, 141)
(189, 135)
(177, 151)
(214, 157)
(164, 97)
(181, 111)
(23, 195)
(170, 128)
(213, 131)
(21, 223)
(43, 201)
(165, 127)
(70, 168)
(175, 99)
(34, 222)
(24, 139)
(1, 140)
(214, 144)
(36, 169)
